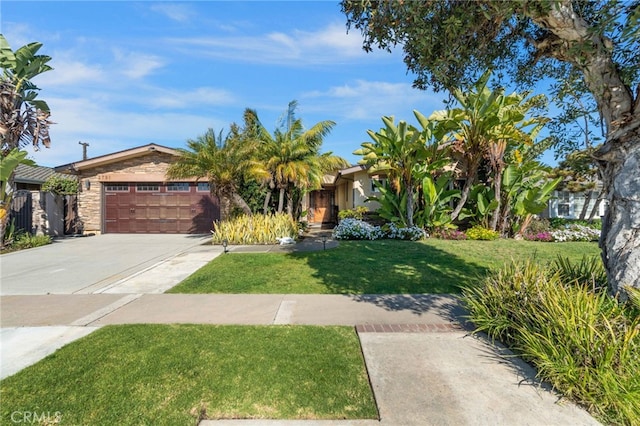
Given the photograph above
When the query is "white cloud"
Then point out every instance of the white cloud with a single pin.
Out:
(328, 45)
(109, 130)
(137, 65)
(69, 72)
(174, 11)
(183, 99)
(367, 100)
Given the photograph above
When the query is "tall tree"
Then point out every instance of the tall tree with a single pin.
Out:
(485, 125)
(222, 162)
(448, 43)
(24, 119)
(292, 156)
(396, 151)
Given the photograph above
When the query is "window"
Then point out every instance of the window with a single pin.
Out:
(375, 182)
(564, 203)
(203, 187)
(148, 187)
(117, 187)
(178, 187)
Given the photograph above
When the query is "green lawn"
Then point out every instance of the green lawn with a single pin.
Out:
(371, 267)
(174, 374)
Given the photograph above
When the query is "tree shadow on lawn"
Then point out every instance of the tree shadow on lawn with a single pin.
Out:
(395, 275)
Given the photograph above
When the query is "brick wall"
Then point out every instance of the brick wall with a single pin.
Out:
(90, 200)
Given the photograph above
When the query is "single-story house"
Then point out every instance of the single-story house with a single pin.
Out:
(128, 192)
(31, 178)
(569, 205)
(345, 189)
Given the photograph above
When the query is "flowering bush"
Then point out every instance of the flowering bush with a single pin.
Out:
(576, 233)
(354, 229)
(412, 233)
(450, 234)
(481, 233)
(538, 236)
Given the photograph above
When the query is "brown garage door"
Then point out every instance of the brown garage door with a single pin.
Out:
(157, 208)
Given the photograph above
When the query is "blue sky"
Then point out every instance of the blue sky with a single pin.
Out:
(131, 73)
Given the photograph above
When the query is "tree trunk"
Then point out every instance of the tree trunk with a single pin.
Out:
(267, 198)
(619, 160)
(574, 41)
(281, 201)
(409, 187)
(596, 206)
(289, 203)
(585, 206)
(240, 202)
(471, 177)
(497, 187)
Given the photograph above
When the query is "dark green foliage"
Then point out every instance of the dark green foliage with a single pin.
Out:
(61, 186)
(582, 342)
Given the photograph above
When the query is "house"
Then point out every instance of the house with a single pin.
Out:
(128, 192)
(569, 205)
(31, 178)
(345, 189)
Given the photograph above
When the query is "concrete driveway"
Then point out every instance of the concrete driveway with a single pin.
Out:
(89, 264)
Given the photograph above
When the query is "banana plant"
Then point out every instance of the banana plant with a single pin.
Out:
(436, 196)
(7, 167)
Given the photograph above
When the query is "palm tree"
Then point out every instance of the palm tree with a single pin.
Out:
(223, 162)
(292, 157)
(24, 119)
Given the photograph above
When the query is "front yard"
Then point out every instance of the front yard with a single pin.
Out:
(372, 267)
(177, 374)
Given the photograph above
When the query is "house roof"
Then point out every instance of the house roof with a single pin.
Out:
(34, 174)
(115, 157)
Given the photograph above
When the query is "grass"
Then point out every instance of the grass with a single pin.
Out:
(372, 267)
(179, 374)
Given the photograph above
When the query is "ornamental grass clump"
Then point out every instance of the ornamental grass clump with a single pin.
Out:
(255, 229)
(585, 344)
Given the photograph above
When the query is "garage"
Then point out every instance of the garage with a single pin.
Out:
(128, 192)
(156, 207)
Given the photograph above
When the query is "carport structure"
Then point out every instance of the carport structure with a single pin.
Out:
(128, 192)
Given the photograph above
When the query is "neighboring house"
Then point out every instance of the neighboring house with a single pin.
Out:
(569, 205)
(37, 212)
(128, 192)
(345, 189)
(31, 178)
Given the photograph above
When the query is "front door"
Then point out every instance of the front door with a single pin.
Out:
(322, 206)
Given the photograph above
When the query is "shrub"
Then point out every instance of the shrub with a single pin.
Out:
(61, 186)
(25, 241)
(481, 233)
(354, 229)
(357, 213)
(538, 225)
(538, 236)
(589, 272)
(449, 234)
(412, 233)
(576, 233)
(256, 229)
(581, 341)
(559, 222)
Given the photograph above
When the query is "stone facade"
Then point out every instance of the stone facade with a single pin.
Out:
(90, 206)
